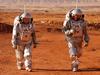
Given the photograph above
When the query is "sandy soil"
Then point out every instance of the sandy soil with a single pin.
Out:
(51, 55)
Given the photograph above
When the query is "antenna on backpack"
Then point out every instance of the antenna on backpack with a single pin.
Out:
(24, 8)
(77, 3)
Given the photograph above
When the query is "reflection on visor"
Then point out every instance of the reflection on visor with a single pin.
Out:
(26, 20)
(76, 17)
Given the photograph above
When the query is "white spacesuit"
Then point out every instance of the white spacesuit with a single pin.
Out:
(75, 31)
(23, 38)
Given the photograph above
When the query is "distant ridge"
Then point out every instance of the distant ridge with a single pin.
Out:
(45, 1)
(39, 5)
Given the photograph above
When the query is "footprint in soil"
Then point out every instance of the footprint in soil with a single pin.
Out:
(5, 62)
(93, 49)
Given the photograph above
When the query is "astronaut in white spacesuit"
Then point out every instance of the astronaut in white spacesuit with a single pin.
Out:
(23, 38)
(75, 31)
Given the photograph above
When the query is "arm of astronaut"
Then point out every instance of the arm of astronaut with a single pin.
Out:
(67, 28)
(85, 35)
(34, 38)
(14, 36)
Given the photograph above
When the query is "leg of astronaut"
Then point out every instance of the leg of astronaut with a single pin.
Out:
(79, 50)
(19, 56)
(73, 56)
(74, 59)
(28, 57)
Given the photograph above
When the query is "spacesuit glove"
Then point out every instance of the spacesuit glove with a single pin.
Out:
(85, 44)
(69, 32)
(72, 31)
